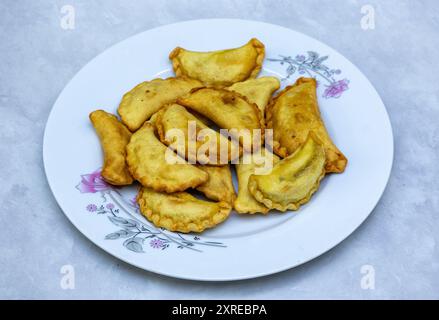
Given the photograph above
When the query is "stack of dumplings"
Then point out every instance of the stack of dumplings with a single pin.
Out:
(187, 187)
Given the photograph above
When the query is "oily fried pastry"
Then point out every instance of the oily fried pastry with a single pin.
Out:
(140, 103)
(219, 186)
(222, 67)
(153, 119)
(229, 110)
(263, 161)
(292, 115)
(114, 137)
(258, 91)
(149, 164)
(208, 144)
(293, 180)
(181, 211)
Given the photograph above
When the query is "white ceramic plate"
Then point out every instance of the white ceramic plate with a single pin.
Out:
(243, 246)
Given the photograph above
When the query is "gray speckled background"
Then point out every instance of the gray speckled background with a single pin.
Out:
(38, 58)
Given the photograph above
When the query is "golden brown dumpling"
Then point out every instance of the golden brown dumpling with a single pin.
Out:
(249, 164)
(175, 117)
(229, 110)
(114, 137)
(219, 186)
(148, 97)
(181, 211)
(292, 115)
(150, 164)
(258, 91)
(220, 68)
(293, 180)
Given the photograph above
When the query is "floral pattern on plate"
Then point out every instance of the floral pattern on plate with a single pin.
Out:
(137, 233)
(312, 65)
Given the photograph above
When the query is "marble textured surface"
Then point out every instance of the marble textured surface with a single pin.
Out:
(400, 238)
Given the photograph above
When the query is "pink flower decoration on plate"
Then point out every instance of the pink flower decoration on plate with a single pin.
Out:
(156, 243)
(109, 206)
(92, 183)
(92, 208)
(335, 89)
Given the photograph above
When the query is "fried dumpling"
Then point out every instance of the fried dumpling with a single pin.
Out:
(181, 211)
(293, 180)
(248, 165)
(114, 137)
(219, 186)
(258, 91)
(229, 110)
(292, 115)
(145, 99)
(220, 68)
(151, 165)
(207, 146)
